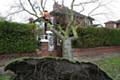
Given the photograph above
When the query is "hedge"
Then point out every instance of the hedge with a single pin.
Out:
(96, 37)
(17, 37)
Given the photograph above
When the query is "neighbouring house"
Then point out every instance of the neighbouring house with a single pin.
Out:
(61, 16)
(113, 24)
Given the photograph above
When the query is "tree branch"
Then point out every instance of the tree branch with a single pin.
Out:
(98, 6)
(14, 13)
(92, 1)
(62, 2)
(82, 8)
(71, 18)
(42, 5)
(45, 3)
(57, 33)
(98, 14)
(32, 7)
(27, 10)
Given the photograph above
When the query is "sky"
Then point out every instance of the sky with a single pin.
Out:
(111, 10)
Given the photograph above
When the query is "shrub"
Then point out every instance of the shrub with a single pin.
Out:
(16, 37)
(96, 37)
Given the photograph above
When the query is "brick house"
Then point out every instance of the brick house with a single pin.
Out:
(112, 24)
(61, 15)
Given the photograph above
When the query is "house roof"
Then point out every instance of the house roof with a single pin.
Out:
(118, 21)
(114, 22)
(62, 10)
(110, 22)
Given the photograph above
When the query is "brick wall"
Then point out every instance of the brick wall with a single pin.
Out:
(77, 52)
(80, 52)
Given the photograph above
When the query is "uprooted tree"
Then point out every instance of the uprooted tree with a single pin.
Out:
(37, 8)
(55, 69)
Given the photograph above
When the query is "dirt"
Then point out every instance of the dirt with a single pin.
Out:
(55, 69)
(1, 70)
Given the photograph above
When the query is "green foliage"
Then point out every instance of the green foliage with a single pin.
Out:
(17, 38)
(5, 77)
(2, 19)
(96, 37)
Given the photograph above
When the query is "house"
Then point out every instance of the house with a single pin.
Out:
(61, 15)
(113, 24)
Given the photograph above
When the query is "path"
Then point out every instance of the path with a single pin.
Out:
(98, 57)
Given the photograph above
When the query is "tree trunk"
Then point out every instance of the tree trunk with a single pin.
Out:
(67, 49)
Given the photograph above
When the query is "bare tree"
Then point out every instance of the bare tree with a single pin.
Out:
(38, 6)
(33, 7)
(65, 37)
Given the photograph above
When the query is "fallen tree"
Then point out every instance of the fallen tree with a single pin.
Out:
(55, 69)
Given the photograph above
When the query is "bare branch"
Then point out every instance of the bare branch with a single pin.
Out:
(98, 6)
(32, 6)
(57, 33)
(42, 5)
(92, 1)
(98, 14)
(62, 2)
(82, 8)
(14, 13)
(27, 10)
(54, 1)
(71, 18)
(45, 3)
(72, 6)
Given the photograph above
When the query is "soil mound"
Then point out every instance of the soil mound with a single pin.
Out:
(55, 69)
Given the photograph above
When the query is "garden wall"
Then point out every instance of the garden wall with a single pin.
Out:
(77, 53)
(94, 52)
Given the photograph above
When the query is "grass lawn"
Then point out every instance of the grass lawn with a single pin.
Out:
(111, 66)
(4, 77)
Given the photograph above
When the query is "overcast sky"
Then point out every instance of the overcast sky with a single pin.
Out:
(112, 9)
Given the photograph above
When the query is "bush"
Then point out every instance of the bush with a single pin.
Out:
(16, 37)
(96, 37)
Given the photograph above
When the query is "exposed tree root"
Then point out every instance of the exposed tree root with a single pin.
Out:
(55, 69)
